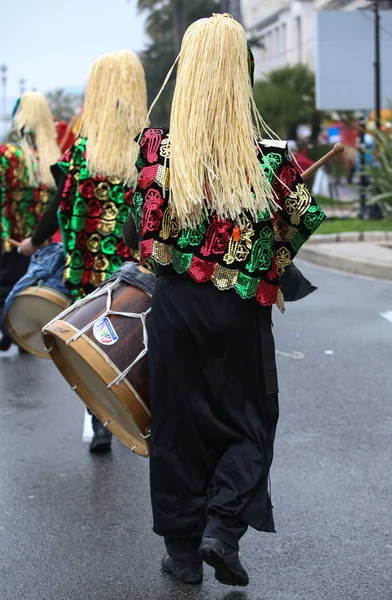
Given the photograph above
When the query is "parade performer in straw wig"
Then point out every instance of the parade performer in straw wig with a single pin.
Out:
(26, 185)
(95, 182)
(222, 212)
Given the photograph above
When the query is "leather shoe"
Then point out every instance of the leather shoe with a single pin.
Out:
(225, 560)
(5, 343)
(183, 573)
(102, 440)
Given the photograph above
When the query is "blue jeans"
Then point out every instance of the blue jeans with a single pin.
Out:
(46, 266)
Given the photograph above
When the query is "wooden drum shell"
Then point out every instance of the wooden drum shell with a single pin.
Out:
(90, 366)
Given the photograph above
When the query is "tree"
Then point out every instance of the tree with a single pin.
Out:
(62, 105)
(166, 25)
(286, 99)
(379, 172)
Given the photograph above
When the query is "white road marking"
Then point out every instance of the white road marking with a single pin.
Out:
(87, 428)
(296, 355)
(387, 315)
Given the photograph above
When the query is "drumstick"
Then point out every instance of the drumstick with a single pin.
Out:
(337, 149)
(14, 243)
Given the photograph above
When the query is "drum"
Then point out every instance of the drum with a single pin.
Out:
(29, 312)
(100, 346)
(38, 296)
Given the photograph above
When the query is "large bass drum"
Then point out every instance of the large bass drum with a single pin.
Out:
(100, 346)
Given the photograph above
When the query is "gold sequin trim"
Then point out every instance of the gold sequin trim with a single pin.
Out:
(298, 202)
(286, 235)
(280, 300)
(162, 253)
(170, 226)
(239, 251)
(163, 177)
(283, 259)
(224, 278)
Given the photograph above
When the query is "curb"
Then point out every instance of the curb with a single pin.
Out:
(313, 252)
(352, 236)
(343, 263)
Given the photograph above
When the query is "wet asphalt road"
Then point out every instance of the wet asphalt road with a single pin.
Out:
(77, 527)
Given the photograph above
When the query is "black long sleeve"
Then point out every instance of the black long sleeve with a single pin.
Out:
(130, 235)
(48, 224)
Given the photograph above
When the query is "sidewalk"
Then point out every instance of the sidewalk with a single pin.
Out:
(371, 257)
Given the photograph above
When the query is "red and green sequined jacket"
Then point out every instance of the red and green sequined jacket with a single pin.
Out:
(21, 205)
(92, 212)
(251, 262)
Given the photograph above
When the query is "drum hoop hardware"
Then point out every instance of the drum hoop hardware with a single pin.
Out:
(72, 307)
(142, 316)
(134, 448)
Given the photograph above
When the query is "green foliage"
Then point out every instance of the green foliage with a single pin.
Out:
(347, 225)
(331, 202)
(380, 173)
(286, 99)
(159, 56)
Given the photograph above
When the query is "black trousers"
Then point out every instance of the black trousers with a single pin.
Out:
(214, 407)
(12, 267)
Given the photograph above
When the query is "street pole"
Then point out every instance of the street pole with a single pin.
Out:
(363, 179)
(22, 88)
(233, 7)
(3, 70)
(377, 65)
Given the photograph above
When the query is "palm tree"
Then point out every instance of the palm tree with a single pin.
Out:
(177, 9)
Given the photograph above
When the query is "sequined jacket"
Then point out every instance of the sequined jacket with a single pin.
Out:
(91, 214)
(20, 204)
(251, 262)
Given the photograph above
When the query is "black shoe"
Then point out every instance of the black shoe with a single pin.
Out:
(102, 439)
(225, 560)
(189, 575)
(5, 343)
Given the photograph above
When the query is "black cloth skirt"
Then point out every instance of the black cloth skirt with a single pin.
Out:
(214, 405)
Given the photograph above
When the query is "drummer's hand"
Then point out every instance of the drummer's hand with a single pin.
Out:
(26, 247)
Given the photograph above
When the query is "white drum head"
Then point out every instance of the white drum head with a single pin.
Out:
(30, 311)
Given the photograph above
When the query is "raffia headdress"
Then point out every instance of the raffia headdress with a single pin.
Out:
(114, 113)
(33, 118)
(214, 126)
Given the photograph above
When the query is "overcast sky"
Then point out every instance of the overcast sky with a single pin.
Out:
(53, 43)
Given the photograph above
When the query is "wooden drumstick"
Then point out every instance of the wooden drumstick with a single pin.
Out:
(14, 243)
(337, 149)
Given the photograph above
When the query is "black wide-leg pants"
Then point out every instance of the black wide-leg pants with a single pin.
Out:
(214, 405)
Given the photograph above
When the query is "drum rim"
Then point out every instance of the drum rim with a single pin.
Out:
(80, 346)
(57, 297)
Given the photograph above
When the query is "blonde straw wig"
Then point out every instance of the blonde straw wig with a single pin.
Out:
(214, 164)
(33, 117)
(115, 111)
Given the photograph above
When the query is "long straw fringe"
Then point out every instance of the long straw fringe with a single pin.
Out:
(34, 115)
(214, 164)
(114, 113)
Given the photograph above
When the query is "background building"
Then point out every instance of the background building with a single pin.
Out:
(285, 29)
(350, 4)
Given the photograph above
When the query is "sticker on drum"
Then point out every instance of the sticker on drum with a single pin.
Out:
(104, 332)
